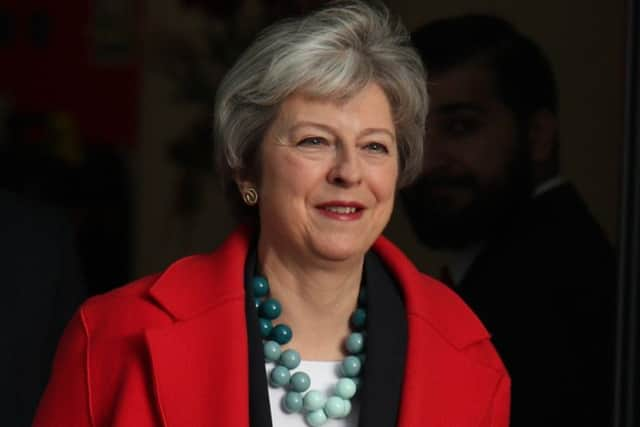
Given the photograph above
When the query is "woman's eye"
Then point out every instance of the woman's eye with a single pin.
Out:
(377, 147)
(313, 141)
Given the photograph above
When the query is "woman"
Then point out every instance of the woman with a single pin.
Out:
(317, 125)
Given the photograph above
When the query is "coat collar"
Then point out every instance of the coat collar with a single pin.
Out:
(429, 300)
(190, 371)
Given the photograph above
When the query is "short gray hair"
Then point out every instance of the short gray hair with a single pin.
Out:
(333, 52)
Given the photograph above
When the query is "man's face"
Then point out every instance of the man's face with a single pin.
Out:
(477, 170)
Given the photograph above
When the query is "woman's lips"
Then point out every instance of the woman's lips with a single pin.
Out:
(340, 210)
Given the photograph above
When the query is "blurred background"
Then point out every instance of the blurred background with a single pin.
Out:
(105, 110)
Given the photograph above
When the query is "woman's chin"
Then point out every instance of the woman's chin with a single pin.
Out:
(338, 251)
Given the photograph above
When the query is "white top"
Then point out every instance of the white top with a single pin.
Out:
(324, 376)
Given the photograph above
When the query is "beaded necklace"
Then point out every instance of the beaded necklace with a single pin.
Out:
(316, 408)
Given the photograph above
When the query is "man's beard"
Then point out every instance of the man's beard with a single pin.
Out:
(491, 210)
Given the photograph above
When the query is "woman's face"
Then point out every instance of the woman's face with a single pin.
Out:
(329, 173)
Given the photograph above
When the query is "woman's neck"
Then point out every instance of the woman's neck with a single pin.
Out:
(317, 300)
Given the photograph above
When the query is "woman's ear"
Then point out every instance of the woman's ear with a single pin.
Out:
(543, 136)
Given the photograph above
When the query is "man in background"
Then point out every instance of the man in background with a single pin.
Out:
(526, 254)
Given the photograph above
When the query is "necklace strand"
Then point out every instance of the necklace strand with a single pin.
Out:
(316, 408)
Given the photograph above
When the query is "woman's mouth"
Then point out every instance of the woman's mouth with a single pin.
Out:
(341, 210)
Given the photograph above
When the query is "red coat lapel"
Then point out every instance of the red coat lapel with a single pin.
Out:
(200, 363)
(451, 371)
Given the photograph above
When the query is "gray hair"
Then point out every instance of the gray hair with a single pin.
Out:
(331, 53)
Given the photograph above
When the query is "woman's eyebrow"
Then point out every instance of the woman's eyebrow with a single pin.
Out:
(327, 128)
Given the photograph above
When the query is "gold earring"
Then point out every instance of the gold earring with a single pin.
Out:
(250, 196)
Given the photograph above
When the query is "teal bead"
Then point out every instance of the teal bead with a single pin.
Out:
(281, 334)
(346, 388)
(257, 302)
(314, 400)
(334, 408)
(300, 381)
(359, 319)
(351, 366)
(355, 342)
(260, 286)
(279, 376)
(290, 359)
(316, 418)
(347, 408)
(362, 357)
(270, 308)
(293, 402)
(357, 382)
(272, 351)
(265, 327)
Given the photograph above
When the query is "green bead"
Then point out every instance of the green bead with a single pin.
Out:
(279, 376)
(265, 327)
(351, 366)
(290, 359)
(260, 286)
(359, 319)
(300, 381)
(334, 408)
(346, 388)
(281, 334)
(314, 400)
(293, 402)
(272, 351)
(270, 309)
(316, 418)
(355, 342)
(347, 408)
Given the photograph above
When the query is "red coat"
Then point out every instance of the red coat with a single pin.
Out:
(150, 353)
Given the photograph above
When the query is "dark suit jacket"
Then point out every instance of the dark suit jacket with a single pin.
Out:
(41, 288)
(172, 350)
(545, 291)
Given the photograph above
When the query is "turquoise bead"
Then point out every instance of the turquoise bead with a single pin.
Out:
(355, 342)
(334, 408)
(280, 376)
(351, 366)
(272, 351)
(293, 402)
(316, 418)
(290, 359)
(260, 286)
(281, 334)
(314, 400)
(347, 408)
(359, 319)
(346, 388)
(265, 327)
(270, 308)
(362, 357)
(300, 381)
(257, 302)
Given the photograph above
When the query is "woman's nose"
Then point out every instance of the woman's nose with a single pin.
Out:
(346, 170)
